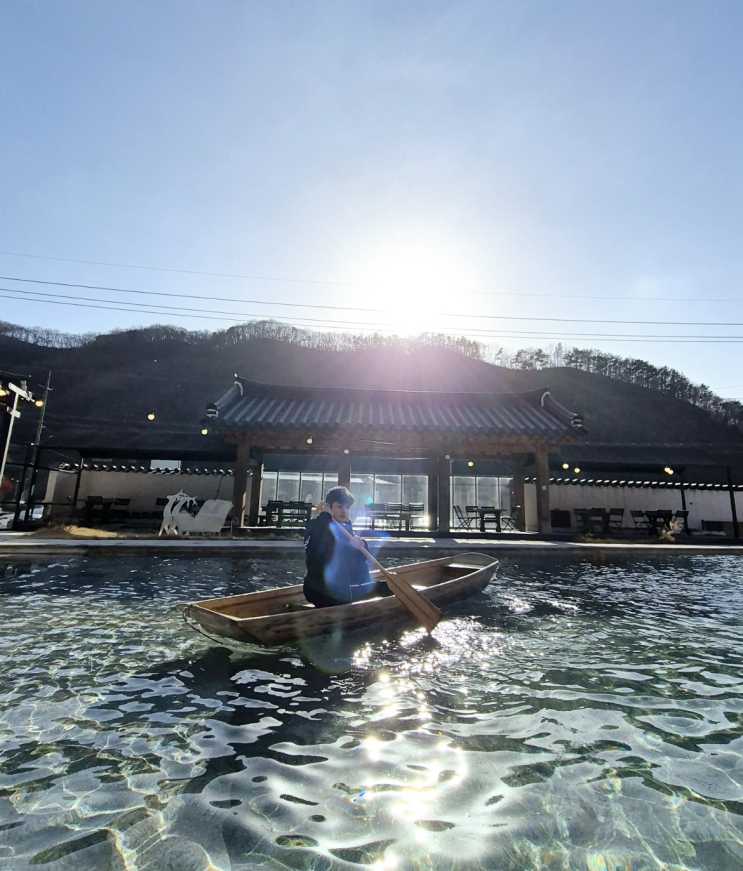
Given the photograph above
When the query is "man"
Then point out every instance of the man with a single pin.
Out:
(337, 573)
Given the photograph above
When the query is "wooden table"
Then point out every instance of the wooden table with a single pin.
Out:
(377, 511)
(654, 517)
(281, 511)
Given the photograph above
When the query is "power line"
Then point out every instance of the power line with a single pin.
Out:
(335, 325)
(316, 305)
(478, 316)
(357, 284)
(187, 271)
(187, 295)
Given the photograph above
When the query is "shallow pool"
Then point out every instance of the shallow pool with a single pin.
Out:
(578, 715)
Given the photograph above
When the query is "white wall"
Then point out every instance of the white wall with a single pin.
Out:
(141, 488)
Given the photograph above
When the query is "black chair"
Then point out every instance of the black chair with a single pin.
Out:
(473, 514)
(616, 521)
(489, 513)
(582, 516)
(376, 511)
(463, 522)
(642, 524)
(394, 512)
(93, 508)
(274, 511)
(416, 511)
(120, 509)
(681, 521)
(510, 522)
(665, 516)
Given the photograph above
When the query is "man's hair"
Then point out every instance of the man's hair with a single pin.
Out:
(339, 494)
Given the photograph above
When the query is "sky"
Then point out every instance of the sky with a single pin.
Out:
(523, 173)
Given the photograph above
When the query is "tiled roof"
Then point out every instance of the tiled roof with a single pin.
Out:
(250, 405)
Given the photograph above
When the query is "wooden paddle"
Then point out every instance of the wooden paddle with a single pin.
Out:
(424, 611)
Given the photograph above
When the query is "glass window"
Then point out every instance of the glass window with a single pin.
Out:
(288, 487)
(310, 489)
(330, 480)
(362, 487)
(506, 484)
(268, 490)
(388, 488)
(488, 492)
(415, 491)
(463, 491)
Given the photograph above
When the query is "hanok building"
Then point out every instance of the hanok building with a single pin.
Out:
(354, 429)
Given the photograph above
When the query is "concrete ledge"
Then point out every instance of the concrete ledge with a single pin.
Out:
(18, 544)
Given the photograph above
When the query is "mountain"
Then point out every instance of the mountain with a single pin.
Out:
(103, 391)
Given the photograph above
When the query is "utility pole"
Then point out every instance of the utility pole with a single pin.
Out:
(20, 393)
(35, 453)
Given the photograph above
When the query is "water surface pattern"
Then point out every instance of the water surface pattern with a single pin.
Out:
(576, 715)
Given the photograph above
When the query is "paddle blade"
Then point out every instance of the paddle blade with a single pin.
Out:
(425, 612)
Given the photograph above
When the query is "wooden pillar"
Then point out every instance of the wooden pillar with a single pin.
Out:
(344, 470)
(444, 506)
(733, 509)
(433, 491)
(240, 485)
(517, 489)
(76, 494)
(544, 523)
(256, 483)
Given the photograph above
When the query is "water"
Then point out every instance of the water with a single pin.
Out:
(577, 715)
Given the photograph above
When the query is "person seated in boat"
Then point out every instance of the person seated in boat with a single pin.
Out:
(337, 571)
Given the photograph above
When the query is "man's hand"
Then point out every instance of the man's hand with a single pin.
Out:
(358, 542)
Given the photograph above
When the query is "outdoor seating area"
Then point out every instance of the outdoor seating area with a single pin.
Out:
(475, 518)
(279, 512)
(608, 522)
(392, 515)
(106, 511)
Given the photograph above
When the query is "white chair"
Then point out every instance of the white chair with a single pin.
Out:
(179, 517)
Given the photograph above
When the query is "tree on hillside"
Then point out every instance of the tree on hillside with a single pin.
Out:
(628, 369)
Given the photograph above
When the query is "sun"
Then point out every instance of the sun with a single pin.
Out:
(415, 287)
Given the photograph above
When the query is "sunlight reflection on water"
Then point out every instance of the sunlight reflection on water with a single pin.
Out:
(575, 716)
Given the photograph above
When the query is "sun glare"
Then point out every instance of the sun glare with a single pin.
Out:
(414, 287)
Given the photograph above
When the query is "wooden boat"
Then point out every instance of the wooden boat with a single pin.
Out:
(283, 615)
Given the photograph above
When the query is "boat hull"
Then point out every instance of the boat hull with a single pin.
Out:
(283, 615)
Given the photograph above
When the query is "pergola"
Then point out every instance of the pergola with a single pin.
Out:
(349, 422)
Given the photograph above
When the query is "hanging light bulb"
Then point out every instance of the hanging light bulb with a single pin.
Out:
(151, 415)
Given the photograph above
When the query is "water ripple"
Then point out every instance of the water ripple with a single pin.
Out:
(578, 715)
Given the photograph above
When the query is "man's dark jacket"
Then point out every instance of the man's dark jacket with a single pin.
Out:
(333, 563)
